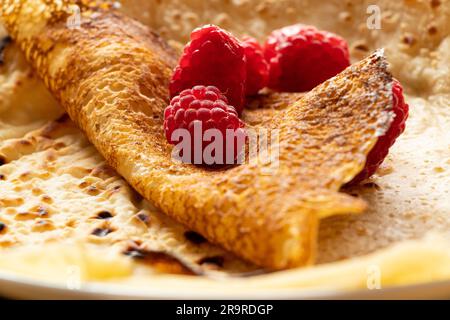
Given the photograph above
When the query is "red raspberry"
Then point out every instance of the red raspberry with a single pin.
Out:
(301, 57)
(213, 57)
(257, 66)
(381, 148)
(209, 107)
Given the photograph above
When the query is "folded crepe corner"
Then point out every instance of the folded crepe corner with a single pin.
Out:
(111, 75)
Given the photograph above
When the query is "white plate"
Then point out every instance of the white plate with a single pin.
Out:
(13, 286)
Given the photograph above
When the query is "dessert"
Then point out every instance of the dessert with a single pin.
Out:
(56, 189)
(118, 106)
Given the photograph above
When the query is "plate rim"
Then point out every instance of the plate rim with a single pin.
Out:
(111, 291)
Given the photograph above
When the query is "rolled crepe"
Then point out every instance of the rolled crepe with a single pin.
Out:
(111, 75)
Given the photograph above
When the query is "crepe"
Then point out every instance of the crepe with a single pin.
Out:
(387, 221)
(117, 91)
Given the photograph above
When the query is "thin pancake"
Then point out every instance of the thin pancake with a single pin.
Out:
(116, 92)
(406, 199)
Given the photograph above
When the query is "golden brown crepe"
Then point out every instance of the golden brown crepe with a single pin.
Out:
(408, 198)
(116, 91)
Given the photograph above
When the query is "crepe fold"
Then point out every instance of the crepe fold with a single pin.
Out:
(111, 75)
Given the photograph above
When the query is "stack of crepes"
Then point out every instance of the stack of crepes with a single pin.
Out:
(62, 204)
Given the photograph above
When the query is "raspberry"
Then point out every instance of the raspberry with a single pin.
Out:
(208, 107)
(301, 57)
(257, 66)
(381, 148)
(214, 57)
